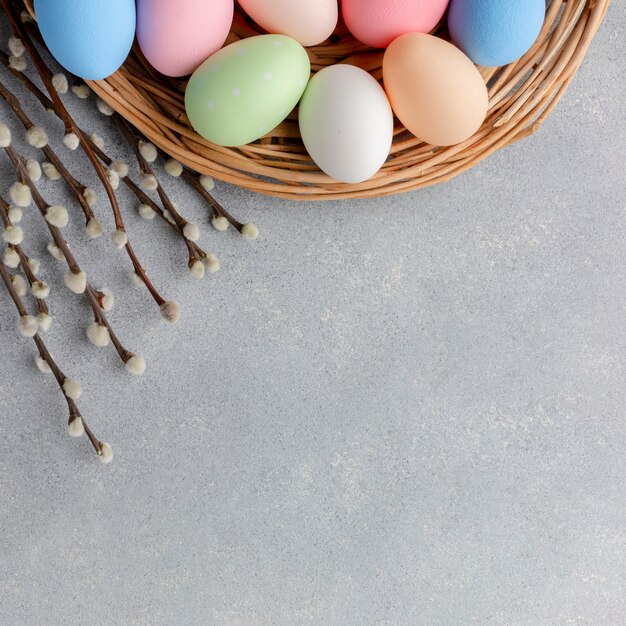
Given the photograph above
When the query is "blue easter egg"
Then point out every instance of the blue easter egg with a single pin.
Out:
(495, 32)
(90, 38)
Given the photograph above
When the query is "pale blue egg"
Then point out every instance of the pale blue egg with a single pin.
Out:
(90, 38)
(495, 32)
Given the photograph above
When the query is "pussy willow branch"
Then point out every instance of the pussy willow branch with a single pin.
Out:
(75, 187)
(144, 198)
(218, 209)
(146, 168)
(71, 127)
(108, 161)
(42, 305)
(74, 412)
(91, 294)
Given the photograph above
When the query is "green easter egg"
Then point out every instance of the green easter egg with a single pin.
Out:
(246, 89)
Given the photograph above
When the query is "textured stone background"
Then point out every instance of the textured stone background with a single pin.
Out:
(402, 411)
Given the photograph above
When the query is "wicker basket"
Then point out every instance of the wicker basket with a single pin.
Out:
(521, 97)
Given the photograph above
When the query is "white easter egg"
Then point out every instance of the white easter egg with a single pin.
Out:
(346, 123)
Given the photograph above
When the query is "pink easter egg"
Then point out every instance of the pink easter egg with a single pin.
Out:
(176, 37)
(378, 22)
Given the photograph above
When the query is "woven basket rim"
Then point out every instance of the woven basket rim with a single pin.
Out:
(521, 97)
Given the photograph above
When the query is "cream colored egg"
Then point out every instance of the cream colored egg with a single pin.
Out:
(308, 21)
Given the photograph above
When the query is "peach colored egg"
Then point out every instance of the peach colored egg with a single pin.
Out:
(176, 37)
(378, 22)
(307, 21)
(434, 89)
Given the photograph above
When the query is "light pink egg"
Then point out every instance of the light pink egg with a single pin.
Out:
(309, 22)
(177, 36)
(378, 22)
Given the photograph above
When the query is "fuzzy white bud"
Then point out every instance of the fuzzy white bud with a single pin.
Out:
(34, 265)
(98, 335)
(42, 365)
(148, 182)
(71, 141)
(76, 428)
(170, 311)
(197, 269)
(97, 141)
(90, 196)
(173, 168)
(107, 300)
(11, 258)
(59, 82)
(104, 107)
(17, 63)
(27, 326)
(250, 231)
(15, 214)
(168, 216)
(45, 321)
(136, 365)
(37, 137)
(16, 46)
(136, 279)
(220, 223)
(5, 135)
(114, 179)
(119, 238)
(120, 167)
(76, 283)
(72, 388)
(20, 195)
(105, 454)
(146, 211)
(50, 171)
(57, 215)
(55, 251)
(34, 170)
(207, 182)
(212, 263)
(13, 235)
(94, 228)
(191, 232)
(20, 285)
(81, 91)
(40, 290)
(148, 151)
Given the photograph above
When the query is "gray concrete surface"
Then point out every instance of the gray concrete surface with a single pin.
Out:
(404, 412)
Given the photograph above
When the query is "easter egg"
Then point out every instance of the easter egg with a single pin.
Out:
(89, 38)
(378, 22)
(175, 37)
(493, 32)
(246, 89)
(434, 89)
(308, 22)
(346, 123)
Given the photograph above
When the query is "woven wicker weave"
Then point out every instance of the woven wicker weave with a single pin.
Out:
(521, 97)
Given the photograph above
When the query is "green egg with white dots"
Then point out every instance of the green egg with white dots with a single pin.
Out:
(246, 89)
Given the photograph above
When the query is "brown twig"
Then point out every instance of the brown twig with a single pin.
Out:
(71, 127)
(75, 187)
(102, 449)
(42, 305)
(208, 259)
(91, 294)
